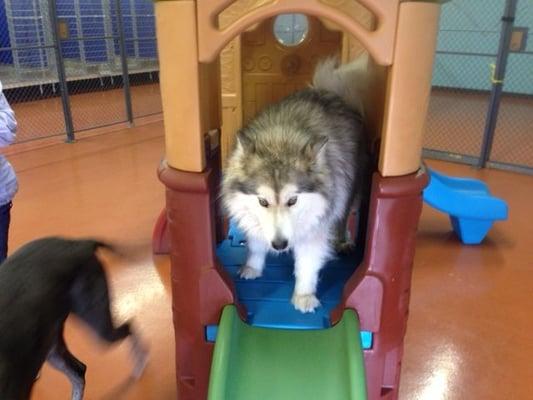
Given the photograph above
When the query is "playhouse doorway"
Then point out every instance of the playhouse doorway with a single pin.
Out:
(275, 58)
(269, 61)
(279, 56)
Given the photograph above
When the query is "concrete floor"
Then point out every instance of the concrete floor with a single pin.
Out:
(469, 333)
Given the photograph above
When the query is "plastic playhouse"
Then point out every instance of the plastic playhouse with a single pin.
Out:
(242, 339)
(468, 202)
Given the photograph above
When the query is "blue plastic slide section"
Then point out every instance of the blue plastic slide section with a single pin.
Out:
(212, 330)
(468, 202)
(268, 299)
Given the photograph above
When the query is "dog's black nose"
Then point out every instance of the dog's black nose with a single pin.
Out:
(280, 244)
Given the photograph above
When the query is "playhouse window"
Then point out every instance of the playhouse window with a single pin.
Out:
(291, 29)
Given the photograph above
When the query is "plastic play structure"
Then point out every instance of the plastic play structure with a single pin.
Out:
(242, 339)
(468, 202)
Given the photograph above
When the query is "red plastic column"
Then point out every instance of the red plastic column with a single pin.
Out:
(379, 289)
(200, 288)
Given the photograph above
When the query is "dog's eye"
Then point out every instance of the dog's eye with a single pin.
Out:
(292, 201)
(263, 202)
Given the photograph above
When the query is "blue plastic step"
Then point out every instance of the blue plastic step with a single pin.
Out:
(267, 299)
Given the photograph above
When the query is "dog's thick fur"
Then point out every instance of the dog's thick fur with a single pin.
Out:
(40, 285)
(296, 171)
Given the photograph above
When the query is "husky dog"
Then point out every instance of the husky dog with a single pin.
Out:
(296, 171)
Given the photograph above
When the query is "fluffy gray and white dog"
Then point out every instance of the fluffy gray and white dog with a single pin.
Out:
(295, 172)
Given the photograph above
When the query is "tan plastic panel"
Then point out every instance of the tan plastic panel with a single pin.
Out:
(378, 42)
(374, 101)
(409, 84)
(180, 91)
(231, 85)
(210, 110)
(237, 9)
(352, 8)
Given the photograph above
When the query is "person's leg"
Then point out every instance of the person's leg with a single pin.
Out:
(5, 216)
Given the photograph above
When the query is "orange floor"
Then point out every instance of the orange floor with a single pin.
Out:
(105, 186)
(469, 334)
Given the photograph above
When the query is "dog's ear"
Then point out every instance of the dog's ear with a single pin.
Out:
(244, 143)
(312, 147)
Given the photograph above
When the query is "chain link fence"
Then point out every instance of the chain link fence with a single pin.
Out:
(27, 68)
(483, 72)
(142, 56)
(513, 137)
(68, 66)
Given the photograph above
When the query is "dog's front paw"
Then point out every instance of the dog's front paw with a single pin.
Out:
(306, 303)
(246, 272)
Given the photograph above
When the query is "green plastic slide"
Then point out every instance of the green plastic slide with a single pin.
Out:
(251, 363)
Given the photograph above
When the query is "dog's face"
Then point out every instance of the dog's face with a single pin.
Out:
(274, 196)
(277, 217)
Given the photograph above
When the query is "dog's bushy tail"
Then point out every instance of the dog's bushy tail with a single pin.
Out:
(347, 81)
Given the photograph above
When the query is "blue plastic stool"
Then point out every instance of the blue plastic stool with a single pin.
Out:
(468, 202)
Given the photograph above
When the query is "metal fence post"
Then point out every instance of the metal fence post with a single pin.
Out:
(124, 62)
(61, 75)
(497, 79)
